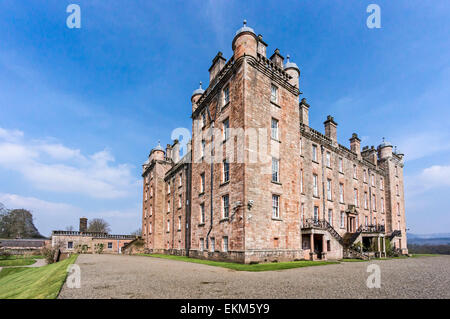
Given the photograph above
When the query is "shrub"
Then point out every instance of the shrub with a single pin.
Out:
(50, 253)
(99, 248)
(4, 254)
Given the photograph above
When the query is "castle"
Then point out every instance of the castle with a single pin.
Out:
(257, 184)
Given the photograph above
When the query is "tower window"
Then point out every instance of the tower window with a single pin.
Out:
(274, 94)
(274, 129)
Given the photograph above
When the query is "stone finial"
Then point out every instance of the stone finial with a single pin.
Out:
(245, 22)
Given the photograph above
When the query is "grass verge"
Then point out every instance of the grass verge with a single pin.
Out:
(245, 267)
(34, 283)
(16, 262)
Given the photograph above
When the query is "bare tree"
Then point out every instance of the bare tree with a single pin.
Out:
(98, 225)
(70, 228)
(137, 232)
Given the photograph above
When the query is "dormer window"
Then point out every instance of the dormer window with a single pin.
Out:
(274, 94)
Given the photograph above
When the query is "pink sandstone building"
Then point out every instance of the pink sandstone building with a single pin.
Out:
(258, 184)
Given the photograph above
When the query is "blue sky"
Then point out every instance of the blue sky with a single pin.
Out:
(80, 109)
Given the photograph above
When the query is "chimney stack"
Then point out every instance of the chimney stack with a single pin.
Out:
(217, 65)
(330, 128)
(262, 46)
(168, 151)
(83, 224)
(355, 145)
(277, 58)
(176, 151)
(304, 108)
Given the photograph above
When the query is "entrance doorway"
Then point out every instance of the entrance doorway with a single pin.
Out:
(318, 245)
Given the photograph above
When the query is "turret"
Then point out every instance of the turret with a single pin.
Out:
(196, 96)
(292, 69)
(157, 153)
(244, 42)
(384, 150)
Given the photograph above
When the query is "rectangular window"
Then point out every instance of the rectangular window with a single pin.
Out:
(203, 119)
(151, 210)
(179, 222)
(315, 186)
(382, 204)
(381, 183)
(213, 244)
(342, 220)
(203, 148)
(226, 171)
(275, 170)
(150, 228)
(398, 209)
(168, 188)
(374, 202)
(314, 153)
(180, 201)
(373, 180)
(365, 176)
(275, 206)
(365, 200)
(366, 221)
(301, 146)
(226, 95)
(225, 244)
(180, 182)
(274, 94)
(225, 206)
(202, 244)
(316, 213)
(168, 206)
(301, 181)
(328, 159)
(355, 175)
(341, 165)
(397, 190)
(226, 129)
(110, 245)
(330, 216)
(202, 182)
(329, 189)
(355, 194)
(341, 193)
(202, 213)
(69, 244)
(302, 214)
(274, 129)
(168, 225)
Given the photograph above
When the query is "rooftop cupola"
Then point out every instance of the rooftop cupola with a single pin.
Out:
(157, 153)
(244, 42)
(292, 69)
(384, 149)
(196, 95)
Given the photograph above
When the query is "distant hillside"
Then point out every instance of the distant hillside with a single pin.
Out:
(429, 239)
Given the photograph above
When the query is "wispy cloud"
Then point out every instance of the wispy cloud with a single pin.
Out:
(57, 168)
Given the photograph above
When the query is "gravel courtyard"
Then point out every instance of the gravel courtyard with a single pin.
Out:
(116, 276)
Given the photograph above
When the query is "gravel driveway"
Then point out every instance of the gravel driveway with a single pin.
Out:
(116, 276)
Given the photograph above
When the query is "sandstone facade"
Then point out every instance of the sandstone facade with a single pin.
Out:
(258, 184)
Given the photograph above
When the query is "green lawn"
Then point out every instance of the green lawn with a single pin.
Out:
(16, 262)
(246, 267)
(21, 257)
(34, 283)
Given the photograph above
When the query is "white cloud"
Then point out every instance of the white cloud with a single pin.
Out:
(55, 167)
(423, 144)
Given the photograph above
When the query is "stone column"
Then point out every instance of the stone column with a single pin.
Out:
(311, 243)
(379, 246)
(324, 247)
